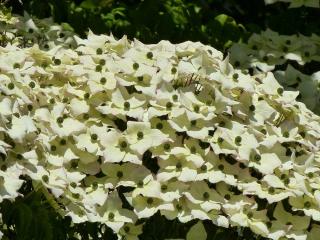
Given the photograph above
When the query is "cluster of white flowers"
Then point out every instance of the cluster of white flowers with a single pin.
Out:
(297, 3)
(24, 31)
(267, 50)
(163, 127)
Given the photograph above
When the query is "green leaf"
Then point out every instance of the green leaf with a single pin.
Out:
(23, 216)
(197, 232)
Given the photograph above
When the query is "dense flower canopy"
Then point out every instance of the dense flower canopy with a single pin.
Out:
(100, 124)
(175, 124)
(269, 51)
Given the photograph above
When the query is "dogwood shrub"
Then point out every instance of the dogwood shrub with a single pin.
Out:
(114, 131)
(270, 51)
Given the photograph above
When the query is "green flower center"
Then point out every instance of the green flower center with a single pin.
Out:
(53, 148)
(135, 66)
(179, 165)
(103, 80)
(11, 86)
(280, 91)
(57, 61)
(32, 84)
(257, 157)
(140, 135)
(235, 76)
(102, 62)
(221, 167)
(307, 204)
(123, 144)
(159, 126)
(76, 195)
(169, 105)
(126, 105)
(63, 142)
(60, 120)
(150, 55)
(86, 116)
(166, 146)
(238, 140)
(99, 51)
(140, 183)
(98, 68)
(310, 175)
(206, 195)
(111, 216)
(271, 190)
(173, 70)
(94, 137)
(149, 200)
(286, 134)
(45, 178)
(86, 95)
(126, 229)
(203, 168)
(164, 187)
(119, 174)
(252, 108)
(263, 131)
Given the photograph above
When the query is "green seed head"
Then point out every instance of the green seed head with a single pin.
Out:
(159, 126)
(94, 137)
(140, 135)
(98, 68)
(166, 146)
(238, 140)
(252, 108)
(257, 157)
(126, 105)
(280, 91)
(45, 178)
(57, 61)
(169, 105)
(103, 80)
(119, 174)
(206, 195)
(149, 200)
(11, 86)
(235, 76)
(32, 84)
(203, 168)
(99, 51)
(307, 204)
(102, 62)
(135, 66)
(60, 120)
(150, 55)
(111, 216)
(271, 190)
(123, 144)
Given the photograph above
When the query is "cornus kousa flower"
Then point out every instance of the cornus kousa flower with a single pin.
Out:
(114, 131)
